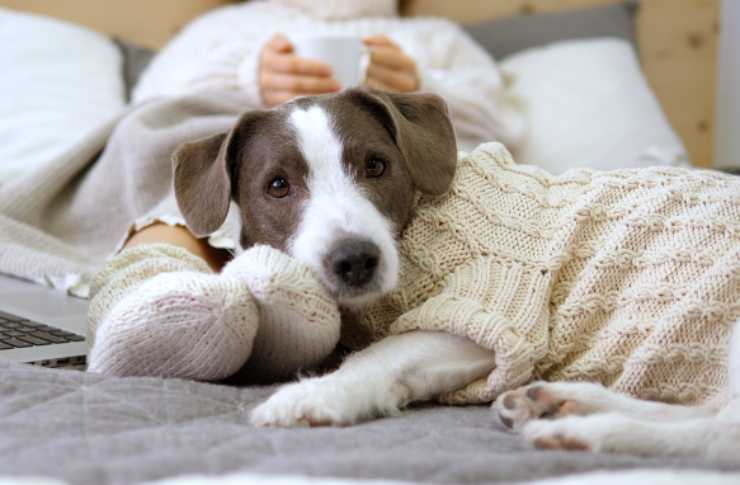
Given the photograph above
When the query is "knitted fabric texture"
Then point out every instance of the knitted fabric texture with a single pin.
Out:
(299, 321)
(630, 278)
(342, 9)
(159, 310)
(221, 50)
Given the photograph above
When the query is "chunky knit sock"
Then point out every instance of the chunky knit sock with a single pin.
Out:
(299, 320)
(158, 310)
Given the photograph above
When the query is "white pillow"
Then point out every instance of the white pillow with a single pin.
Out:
(58, 82)
(588, 105)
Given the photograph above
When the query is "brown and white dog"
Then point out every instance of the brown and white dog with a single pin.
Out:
(331, 181)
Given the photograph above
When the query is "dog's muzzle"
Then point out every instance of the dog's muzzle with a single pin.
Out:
(352, 263)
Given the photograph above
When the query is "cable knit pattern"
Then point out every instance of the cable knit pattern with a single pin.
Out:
(158, 310)
(630, 278)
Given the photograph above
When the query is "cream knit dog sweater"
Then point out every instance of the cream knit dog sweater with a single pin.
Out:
(630, 278)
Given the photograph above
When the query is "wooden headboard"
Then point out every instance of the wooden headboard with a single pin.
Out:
(677, 40)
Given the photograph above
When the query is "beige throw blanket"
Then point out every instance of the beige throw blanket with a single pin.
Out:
(61, 220)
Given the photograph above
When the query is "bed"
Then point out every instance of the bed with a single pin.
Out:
(72, 427)
(88, 429)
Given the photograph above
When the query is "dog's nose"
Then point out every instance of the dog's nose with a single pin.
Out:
(354, 262)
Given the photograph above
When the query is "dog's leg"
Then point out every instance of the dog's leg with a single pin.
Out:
(379, 380)
(628, 425)
(711, 438)
(558, 399)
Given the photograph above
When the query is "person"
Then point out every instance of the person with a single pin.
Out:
(246, 48)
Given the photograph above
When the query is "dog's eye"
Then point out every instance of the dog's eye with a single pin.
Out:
(374, 168)
(278, 187)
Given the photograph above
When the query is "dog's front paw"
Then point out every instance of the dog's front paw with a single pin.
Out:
(312, 402)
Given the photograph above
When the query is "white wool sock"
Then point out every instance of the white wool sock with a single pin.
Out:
(299, 320)
(158, 310)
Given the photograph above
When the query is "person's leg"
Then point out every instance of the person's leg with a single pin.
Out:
(182, 237)
(160, 307)
(168, 305)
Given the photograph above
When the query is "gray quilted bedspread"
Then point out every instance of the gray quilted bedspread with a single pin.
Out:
(90, 429)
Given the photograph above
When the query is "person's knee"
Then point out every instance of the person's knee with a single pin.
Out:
(182, 237)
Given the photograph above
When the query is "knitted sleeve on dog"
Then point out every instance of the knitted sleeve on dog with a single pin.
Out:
(499, 305)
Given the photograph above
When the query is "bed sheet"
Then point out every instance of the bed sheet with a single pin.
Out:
(90, 429)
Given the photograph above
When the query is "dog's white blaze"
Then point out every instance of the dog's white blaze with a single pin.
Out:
(336, 207)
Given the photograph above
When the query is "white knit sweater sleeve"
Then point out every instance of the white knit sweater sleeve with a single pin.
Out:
(216, 51)
(469, 80)
(220, 50)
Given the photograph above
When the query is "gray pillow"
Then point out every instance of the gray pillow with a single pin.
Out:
(135, 60)
(506, 36)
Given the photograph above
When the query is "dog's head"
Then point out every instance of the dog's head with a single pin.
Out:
(329, 179)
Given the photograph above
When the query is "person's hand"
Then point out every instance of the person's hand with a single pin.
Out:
(390, 69)
(283, 75)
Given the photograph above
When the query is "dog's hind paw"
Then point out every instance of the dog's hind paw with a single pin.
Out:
(601, 433)
(311, 402)
(557, 435)
(546, 400)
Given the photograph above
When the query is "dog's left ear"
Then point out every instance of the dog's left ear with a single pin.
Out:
(421, 127)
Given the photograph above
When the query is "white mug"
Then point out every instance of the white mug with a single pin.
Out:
(345, 54)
